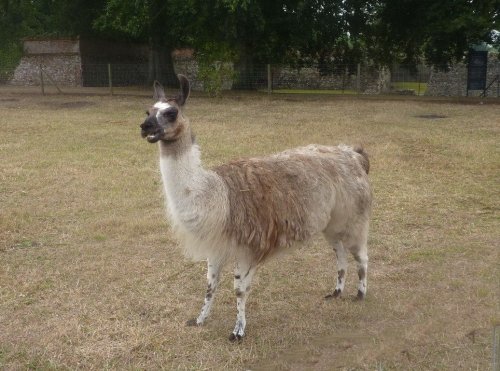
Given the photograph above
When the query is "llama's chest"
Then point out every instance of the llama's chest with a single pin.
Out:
(185, 208)
(196, 205)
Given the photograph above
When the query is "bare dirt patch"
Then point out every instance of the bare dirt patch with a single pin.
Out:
(91, 276)
(71, 104)
(431, 116)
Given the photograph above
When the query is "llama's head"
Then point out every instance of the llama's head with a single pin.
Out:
(164, 119)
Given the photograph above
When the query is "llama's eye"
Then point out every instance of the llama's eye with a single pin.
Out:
(147, 113)
(170, 115)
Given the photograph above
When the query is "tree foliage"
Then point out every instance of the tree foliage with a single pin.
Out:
(438, 32)
(263, 31)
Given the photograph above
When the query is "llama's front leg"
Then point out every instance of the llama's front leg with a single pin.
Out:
(243, 275)
(213, 281)
(341, 269)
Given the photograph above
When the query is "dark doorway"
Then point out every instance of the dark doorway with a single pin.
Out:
(476, 70)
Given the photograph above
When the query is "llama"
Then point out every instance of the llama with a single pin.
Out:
(249, 209)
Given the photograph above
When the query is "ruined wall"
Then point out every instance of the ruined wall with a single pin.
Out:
(75, 62)
(185, 64)
(371, 81)
(65, 70)
(454, 82)
(59, 58)
(375, 80)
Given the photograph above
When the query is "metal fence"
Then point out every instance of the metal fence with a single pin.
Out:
(331, 79)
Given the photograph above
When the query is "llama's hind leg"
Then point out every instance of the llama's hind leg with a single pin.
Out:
(341, 254)
(213, 272)
(357, 245)
(243, 274)
(361, 257)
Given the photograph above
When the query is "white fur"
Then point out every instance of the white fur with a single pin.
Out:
(194, 213)
(198, 202)
(162, 105)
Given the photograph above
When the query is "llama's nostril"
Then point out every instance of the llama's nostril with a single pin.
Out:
(149, 124)
(146, 126)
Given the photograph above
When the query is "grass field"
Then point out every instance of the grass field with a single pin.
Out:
(91, 277)
(315, 91)
(418, 87)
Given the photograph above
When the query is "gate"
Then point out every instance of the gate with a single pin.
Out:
(476, 70)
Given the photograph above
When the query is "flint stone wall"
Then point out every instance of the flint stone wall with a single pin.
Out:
(453, 82)
(60, 59)
(63, 69)
(75, 62)
(372, 80)
(186, 64)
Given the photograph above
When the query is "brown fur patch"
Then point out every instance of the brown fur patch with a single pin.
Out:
(180, 139)
(273, 200)
(341, 274)
(361, 273)
(364, 160)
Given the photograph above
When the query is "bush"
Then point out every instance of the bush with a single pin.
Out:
(215, 68)
(10, 55)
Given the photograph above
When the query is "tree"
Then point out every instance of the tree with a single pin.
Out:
(331, 32)
(255, 32)
(438, 32)
(156, 22)
(25, 18)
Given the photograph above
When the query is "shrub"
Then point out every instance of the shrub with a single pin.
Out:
(215, 68)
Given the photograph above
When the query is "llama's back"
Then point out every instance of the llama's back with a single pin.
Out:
(287, 197)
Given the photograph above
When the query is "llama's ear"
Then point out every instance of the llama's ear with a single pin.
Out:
(185, 89)
(159, 93)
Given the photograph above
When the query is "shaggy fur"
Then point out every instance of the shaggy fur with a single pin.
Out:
(277, 200)
(249, 209)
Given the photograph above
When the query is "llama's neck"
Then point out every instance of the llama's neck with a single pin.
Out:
(180, 166)
(195, 196)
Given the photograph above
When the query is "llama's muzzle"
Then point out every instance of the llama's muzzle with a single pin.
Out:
(153, 138)
(151, 130)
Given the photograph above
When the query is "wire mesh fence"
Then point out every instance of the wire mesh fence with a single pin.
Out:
(272, 78)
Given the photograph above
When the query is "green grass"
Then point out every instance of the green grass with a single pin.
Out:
(314, 91)
(92, 277)
(419, 88)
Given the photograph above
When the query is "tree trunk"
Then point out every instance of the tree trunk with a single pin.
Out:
(161, 67)
(169, 77)
(247, 74)
(153, 66)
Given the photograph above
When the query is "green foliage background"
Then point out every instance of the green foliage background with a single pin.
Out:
(254, 32)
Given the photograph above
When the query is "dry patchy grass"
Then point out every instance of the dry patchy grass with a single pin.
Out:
(91, 278)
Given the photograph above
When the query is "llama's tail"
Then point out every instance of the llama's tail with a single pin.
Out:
(364, 160)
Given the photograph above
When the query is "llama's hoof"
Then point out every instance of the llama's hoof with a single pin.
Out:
(361, 295)
(235, 338)
(192, 322)
(335, 295)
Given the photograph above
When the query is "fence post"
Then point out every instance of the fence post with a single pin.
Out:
(52, 81)
(498, 86)
(419, 79)
(110, 78)
(269, 80)
(358, 79)
(41, 80)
